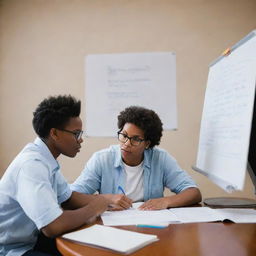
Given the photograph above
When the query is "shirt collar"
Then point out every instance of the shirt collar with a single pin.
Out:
(147, 157)
(118, 159)
(47, 154)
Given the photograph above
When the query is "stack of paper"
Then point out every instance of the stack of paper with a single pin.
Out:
(119, 240)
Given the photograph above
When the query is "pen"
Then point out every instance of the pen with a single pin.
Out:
(150, 226)
(121, 189)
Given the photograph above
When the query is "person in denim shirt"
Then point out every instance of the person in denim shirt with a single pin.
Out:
(36, 203)
(137, 170)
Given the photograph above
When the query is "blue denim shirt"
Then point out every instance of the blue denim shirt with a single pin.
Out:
(31, 191)
(104, 172)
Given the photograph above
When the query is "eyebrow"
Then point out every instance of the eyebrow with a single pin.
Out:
(136, 135)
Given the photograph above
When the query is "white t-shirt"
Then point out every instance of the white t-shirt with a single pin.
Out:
(134, 182)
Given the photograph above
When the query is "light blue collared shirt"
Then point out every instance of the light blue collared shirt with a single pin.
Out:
(31, 191)
(104, 172)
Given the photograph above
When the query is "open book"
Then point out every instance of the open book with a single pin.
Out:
(133, 216)
(206, 214)
(119, 240)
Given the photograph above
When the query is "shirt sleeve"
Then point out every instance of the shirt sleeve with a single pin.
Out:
(36, 195)
(175, 178)
(63, 190)
(89, 180)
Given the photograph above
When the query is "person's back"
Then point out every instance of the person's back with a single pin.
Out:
(17, 231)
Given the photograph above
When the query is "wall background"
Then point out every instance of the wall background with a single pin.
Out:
(43, 44)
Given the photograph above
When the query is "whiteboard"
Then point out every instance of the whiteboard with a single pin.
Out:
(116, 81)
(227, 116)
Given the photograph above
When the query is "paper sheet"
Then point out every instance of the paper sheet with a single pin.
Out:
(227, 116)
(116, 81)
(133, 216)
(119, 240)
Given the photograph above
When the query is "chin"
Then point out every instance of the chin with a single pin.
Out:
(70, 155)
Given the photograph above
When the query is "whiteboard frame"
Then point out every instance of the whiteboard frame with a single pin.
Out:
(215, 179)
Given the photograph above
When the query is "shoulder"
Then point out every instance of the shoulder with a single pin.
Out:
(35, 159)
(160, 152)
(28, 156)
(30, 159)
(159, 157)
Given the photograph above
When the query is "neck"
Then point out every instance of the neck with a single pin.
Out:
(133, 162)
(51, 147)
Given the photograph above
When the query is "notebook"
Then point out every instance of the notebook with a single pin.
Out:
(119, 240)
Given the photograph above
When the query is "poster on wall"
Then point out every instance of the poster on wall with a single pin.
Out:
(116, 81)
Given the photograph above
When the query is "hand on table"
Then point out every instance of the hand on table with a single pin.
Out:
(154, 204)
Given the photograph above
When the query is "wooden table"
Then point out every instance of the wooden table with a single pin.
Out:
(209, 239)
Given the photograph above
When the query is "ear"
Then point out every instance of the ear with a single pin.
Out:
(147, 144)
(54, 134)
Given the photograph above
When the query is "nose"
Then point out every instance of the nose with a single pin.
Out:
(80, 140)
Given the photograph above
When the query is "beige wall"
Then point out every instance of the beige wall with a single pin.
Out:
(43, 44)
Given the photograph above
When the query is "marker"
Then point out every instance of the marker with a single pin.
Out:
(151, 226)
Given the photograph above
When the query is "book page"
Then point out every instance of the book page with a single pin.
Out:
(238, 215)
(206, 214)
(196, 214)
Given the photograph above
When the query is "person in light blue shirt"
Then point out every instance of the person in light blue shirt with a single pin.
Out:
(137, 170)
(36, 202)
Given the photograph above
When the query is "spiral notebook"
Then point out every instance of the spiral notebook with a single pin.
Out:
(119, 240)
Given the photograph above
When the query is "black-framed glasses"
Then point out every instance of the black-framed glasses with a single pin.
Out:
(78, 134)
(135, 140)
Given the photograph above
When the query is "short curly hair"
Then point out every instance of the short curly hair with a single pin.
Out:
(146, 119)
(54, 112)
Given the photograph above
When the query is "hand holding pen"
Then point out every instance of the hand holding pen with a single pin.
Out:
(120, 201)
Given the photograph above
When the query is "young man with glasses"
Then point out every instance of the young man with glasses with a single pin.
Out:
(34, 196)
(136, 170)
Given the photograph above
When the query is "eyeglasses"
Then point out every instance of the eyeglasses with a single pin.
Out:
(135, 141)
(77, 134)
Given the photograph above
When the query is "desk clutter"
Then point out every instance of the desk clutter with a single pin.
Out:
(126, 242)
(133, 216)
